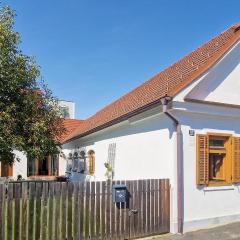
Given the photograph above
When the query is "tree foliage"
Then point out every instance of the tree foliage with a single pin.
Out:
(30, 119)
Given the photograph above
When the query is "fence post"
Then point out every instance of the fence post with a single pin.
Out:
(2, 208)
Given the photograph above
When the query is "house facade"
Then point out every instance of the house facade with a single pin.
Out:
(182, 124)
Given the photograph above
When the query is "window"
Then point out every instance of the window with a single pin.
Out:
(65, 111)
(46, 167)
(218, 159)
(75, 161)
(82, 162)
(91, 161)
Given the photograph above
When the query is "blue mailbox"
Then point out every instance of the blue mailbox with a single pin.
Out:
(119, 193)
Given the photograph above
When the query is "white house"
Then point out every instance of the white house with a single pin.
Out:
(182, 124)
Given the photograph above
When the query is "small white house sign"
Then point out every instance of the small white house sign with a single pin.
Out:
(191, 132)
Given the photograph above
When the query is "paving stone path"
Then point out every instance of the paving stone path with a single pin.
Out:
(225, 232)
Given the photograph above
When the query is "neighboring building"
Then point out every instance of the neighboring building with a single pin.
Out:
(67, 108)
(182, 124)
(50, 167)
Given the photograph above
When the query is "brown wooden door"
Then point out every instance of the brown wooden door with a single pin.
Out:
(6, 170)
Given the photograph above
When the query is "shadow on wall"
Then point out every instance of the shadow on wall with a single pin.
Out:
(156, 123)
(216, 76)
(204, 123)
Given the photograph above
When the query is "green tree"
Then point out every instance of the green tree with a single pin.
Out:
(30, 120)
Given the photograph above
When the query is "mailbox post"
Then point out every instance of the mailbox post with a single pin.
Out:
(120, 195)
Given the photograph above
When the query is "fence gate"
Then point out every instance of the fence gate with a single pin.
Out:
(54, 210)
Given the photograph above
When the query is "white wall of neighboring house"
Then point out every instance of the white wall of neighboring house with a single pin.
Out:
(20, 167)
(62, 165)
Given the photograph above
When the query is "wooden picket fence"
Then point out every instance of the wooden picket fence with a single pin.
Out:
(61, 210)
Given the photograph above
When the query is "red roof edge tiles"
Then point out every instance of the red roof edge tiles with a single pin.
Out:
(70, 125)
(168, 82)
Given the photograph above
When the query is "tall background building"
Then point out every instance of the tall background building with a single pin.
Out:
(67, 108)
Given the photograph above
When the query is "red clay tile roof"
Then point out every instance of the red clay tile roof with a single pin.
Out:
(168, 82)
(70, 125)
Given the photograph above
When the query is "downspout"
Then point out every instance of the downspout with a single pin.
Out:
(165, 108)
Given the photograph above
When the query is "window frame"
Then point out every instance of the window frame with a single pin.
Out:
(52, 164)
(91, 162)
(203, 176)
(228, 158)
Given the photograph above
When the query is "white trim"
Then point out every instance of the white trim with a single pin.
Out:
(224, 112)
(218, 188)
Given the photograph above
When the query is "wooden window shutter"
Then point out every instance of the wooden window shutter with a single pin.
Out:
(10, 170)
(236, 159)
(6, 170)
(91, 158)
(202, 159)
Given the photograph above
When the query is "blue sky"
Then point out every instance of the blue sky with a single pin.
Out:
(92, 51)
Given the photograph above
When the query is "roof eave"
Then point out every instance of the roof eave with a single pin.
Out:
(115, 121)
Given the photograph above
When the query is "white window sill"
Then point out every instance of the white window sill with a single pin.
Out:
(218, 188)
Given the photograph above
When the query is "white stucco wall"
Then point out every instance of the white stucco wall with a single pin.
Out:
(140, 145)
(207, 206)
(20, 167)
(62, 165)
(145, 148)
(220, 84)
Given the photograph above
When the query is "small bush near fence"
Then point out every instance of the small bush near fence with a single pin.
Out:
(61, 210)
